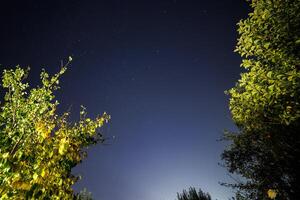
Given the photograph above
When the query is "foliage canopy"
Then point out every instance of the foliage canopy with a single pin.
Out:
(265, 102)
(192, 194)
(38, 148)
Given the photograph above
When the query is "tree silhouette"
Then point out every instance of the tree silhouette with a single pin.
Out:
(192, 194)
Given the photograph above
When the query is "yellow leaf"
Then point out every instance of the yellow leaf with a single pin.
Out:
(5, 155)
(272, 194)
(35, 176)
(43, 173)
(60, 182)
(62, 146)
(21, 185)
(61, 149)
(43, 129)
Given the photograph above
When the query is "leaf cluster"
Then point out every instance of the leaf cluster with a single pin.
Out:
(38, 147)
(265, 102)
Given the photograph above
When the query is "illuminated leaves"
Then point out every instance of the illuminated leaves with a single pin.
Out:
(44, 129)
(265, 102)
(39, 148)
(63, 144)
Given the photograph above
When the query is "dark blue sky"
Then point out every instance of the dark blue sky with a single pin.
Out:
(160, 69)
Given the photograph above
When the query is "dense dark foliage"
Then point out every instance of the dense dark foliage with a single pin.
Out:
(192, 194)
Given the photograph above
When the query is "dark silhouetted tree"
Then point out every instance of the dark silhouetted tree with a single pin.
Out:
(84, 195)
(192, 194)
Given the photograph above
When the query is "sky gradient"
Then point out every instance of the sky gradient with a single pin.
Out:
(159, 68)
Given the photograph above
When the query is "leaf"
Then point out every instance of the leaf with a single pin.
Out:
(267, 45)
(62, 146)
(272, 194)
(5, 155)
(61, 149)
(271, 87)
(43, 173)
(35, 176)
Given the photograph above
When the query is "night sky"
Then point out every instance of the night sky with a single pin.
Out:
(158, 67)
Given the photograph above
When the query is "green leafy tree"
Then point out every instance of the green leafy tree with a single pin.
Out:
(265, 103)
(39, 148)
(192, 194)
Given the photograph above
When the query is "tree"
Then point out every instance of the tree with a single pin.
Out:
(265, 103)
(38, 148)
(192, 194)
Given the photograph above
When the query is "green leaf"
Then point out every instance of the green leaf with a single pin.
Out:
(269, 74)
(35, 176)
